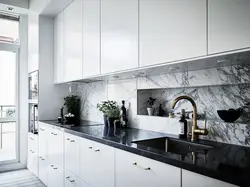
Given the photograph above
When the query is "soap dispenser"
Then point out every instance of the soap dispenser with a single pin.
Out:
(183, 125)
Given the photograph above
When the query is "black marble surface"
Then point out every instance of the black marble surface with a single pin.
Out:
(226, 162)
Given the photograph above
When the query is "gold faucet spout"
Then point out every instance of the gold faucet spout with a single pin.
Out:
(195, 129)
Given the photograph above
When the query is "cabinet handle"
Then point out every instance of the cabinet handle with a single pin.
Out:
(42, 159)
(67, 139)
(52, 133)
(55, 134)
(52, 165)
(54, 168)
(134, 163)
(72, 140)
(90, 147)
(68, 178)
(147, 168)
(97, 150)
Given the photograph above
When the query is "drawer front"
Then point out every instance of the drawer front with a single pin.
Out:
(55, 176)
(43, 170)
(96, 163)
(131, 168)
(71, 153)
(71, 180)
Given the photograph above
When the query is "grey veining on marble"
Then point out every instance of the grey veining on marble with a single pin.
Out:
(212, 89)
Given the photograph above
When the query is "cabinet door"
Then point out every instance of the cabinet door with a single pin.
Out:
(71, 153)
(43, 170)
(91, 37)
(71, 180)
(190, 179)
(131, 169)
(55, 176)
(55, 147)
(119, 35)
(96, 159)
(228, 25)
(43, 132)
(171, 30)
(58, 48)
(32, 161)
(73, 41)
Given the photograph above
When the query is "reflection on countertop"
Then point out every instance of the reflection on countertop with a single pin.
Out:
(226, 162)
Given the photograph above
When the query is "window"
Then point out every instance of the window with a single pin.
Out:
(9, 31)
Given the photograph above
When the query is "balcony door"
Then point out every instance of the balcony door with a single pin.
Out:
(9, 50)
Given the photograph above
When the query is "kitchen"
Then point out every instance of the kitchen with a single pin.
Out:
(135, 92)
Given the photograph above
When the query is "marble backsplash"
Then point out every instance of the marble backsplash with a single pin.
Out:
(223, 87)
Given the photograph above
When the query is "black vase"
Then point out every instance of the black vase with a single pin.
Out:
(105, 118)
(111, 121)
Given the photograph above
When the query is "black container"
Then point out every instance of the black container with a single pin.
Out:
(111, 121)
(230, 115)
(105, 119)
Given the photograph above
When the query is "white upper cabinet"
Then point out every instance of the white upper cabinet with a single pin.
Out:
(171, 30)
(73, 41)
(119, 35)
(190, 179)
(91, 37)
(228, 25)
(58, 48)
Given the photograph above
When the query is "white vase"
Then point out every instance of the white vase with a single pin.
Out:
(150, 111)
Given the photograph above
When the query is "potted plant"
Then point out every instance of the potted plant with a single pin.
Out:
(150, 109)
(73, 105)
(110, 110)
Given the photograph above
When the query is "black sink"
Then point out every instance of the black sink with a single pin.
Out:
(173, 145)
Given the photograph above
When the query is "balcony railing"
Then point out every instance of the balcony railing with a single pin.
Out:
(7, 127)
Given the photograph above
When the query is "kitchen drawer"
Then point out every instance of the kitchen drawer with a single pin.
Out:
(96, 163)
(71, 153)
(130, 169)
(55, 175)
(71, 180)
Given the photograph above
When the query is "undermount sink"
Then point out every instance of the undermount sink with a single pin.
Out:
(173, 145)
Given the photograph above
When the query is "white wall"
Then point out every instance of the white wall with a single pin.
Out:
(50, 95)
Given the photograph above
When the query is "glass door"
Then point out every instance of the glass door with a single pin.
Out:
(8, 130)
(9, 45)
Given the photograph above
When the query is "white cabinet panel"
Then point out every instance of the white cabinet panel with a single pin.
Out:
(43, 170)
(32, 161)
(43, 152)
(228, 25)
(55, 147)
(58, 48)
(96, 163)
(55, 176)
(91, 37)
(171, 30)
(190, 179)
(119, 35)
(133, 171)
(73, 41)
(72, 180)
(71, 153)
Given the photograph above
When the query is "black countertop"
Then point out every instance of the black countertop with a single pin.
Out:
(226, 162)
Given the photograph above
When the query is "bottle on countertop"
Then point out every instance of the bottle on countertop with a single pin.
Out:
(123, 112)
(161, 111)
(183, 125)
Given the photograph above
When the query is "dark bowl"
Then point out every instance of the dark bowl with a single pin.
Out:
(229, 115)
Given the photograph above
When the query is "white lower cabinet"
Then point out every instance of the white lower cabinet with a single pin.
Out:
(55, 176)
(71, 153)
(96, 163)
(32, 160)
(191, 179)
(133, 171)
(71, 180)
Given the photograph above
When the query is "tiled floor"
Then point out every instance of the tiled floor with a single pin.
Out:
(20, 178)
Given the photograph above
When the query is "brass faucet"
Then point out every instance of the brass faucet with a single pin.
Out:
(195, 130)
